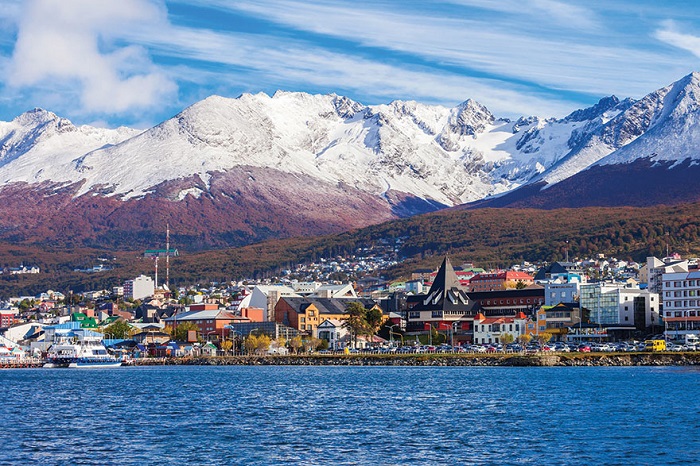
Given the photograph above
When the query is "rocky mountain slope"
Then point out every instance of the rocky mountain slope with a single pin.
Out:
(234, 171)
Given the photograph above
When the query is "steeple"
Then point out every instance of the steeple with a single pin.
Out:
(446, 279)
(446, 293)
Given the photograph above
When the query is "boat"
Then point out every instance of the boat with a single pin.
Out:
(76, 347)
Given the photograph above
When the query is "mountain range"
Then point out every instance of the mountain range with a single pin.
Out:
(228, 172)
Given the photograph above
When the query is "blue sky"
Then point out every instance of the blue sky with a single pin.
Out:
(138, 62)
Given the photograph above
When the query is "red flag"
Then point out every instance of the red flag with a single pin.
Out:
(444, 326)
(426, 326)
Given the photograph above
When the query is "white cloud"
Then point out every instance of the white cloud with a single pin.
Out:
(270, 61)
(523, 45)
(76, 42)
(669, 34)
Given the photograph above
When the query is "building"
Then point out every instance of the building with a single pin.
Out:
(305, 314)
(556, 292)
(334, 332)
(445, 305)
(493, 281)
(209, 322)
(618, 305)
(492, 329)
(652, 273)
(681, 311)
(556, 320)
(509, 302)
(139, 288)
(266, 297)
(560, 271)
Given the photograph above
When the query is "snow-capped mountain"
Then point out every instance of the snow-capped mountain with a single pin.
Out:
(271, 166)
(444, 155)
(641, 152)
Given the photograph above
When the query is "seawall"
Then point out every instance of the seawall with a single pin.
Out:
(509, 360)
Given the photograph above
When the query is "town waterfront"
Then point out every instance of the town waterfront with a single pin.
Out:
(351, 415)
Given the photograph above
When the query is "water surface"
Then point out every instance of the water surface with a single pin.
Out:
(351, 415)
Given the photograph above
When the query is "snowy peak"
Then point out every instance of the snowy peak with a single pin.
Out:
(663, 126)
(27, 130)
(605, 104)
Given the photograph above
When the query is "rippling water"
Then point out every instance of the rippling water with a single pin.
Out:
(351, 415)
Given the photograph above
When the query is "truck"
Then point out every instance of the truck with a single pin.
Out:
(655, 345)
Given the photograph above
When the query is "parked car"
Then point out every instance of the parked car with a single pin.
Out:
(584, 348)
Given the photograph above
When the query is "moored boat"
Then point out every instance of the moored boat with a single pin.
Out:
(78, 348)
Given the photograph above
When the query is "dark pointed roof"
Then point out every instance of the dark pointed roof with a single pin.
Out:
(445, 279)
(446, 292)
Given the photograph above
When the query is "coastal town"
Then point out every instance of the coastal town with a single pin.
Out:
(598, 305)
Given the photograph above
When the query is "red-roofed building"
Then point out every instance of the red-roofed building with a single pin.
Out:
(493, 281)
(492, 329)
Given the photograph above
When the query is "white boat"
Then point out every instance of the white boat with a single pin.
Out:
(76, 347)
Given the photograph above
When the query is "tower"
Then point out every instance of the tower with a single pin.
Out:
(155, 254)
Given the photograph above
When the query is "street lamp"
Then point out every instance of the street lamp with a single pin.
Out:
(391, 334)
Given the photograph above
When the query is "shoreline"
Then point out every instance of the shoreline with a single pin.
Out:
(504, 360)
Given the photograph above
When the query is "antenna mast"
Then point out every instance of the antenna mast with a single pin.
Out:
(167, 256)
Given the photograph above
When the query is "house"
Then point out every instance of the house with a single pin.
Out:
(564, 272)
(556, 320)
(493, 329)
(335, 291)
(151, 337)
(209, 322)
(334, 332)
(491, 281)
(305, 314)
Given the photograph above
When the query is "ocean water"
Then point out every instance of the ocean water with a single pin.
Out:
(351, 415)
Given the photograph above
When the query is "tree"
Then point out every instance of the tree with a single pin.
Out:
(362, 321)
(524, 339)
(250, 343)
(226, 345)
(181, 332)
(355, 322)
(507, 338)
(119, 329)
(262, 344)
(311, 344)
(374, 318)
(544, 337)
(295, 343)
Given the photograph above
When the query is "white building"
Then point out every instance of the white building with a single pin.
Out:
(305, 288)
(558, 292)
(652, 272)
(336, 291)
(492, 329)
(139, 288)
(333, 331)
(620, 304)
(681, 312)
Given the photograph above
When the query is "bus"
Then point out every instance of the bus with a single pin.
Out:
(655, 345)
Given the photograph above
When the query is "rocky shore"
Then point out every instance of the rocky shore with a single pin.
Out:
(509, 360)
